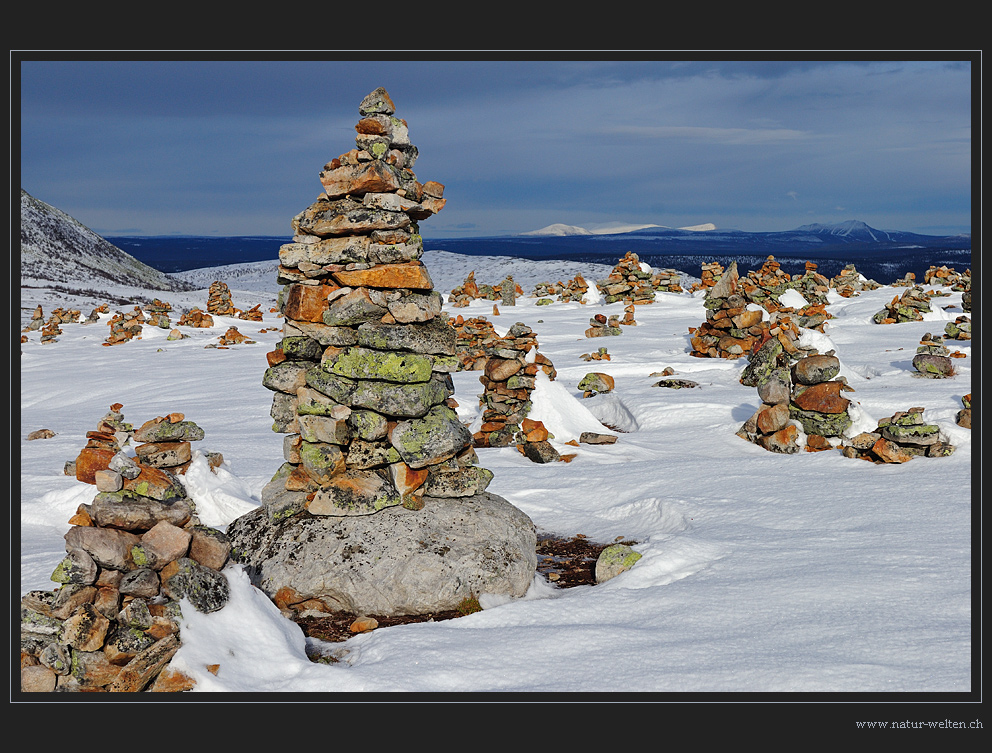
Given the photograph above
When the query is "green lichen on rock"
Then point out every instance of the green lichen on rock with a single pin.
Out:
(824, 424)
(615, 559)
(366, 363)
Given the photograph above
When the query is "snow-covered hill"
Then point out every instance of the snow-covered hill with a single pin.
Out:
(609, 228)
(65, 263)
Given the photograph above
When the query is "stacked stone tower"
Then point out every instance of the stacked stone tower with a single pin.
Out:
(362, 375)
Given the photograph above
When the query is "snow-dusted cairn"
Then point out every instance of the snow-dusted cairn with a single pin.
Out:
(219, 299)
(132, 553)
(710, 274)
(763, 286)
(125, 326)
(899, 438)
(602, 326)
(628, 280)
(959, 329)
(908, 280)
(196, 318)
(254, 314)
(963, 416)
(933, 358)
(380, 507)
(849, 282)
(667, 281)
(731, 329)
(909, 307)
(508, 379)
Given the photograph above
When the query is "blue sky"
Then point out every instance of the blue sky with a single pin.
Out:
(234, 147)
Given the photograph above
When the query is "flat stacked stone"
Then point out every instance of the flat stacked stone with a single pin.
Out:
(732, 328)
(710, 274)
(125, 326)
(849, 282)
(219, 299)
(933, 358)
(601, 325)
(508, 379)
(959, 329)
(908, 280)
(254, 314)
(909, 307)
(164, 442)
(628, 280)
(196, 318)
(899, 438)
(133, 553)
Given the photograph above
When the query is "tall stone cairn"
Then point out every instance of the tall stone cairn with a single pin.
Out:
(219, 301)
(362, 382)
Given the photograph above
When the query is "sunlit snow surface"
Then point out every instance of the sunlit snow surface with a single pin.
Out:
(759, 571)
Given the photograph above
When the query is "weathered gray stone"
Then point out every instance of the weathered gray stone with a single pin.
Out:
(457, 482)
(206, 588)
(354, 492)
(168, 431)
(142, 582)
(435, 337)
(397, 561)
(118, 510)
(108, 547)
(77, 567)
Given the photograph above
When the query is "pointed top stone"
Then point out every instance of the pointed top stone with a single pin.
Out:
(377, 102)
(727, 283)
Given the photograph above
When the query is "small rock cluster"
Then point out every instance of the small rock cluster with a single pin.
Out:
(710, 274)
(629, 280)
(508, 379)
(959, 329)
(125, 326)
(667, 281)
(909, 307)
(899, 438)
(944, 275)
(506, 292)
(132, 554)
(600, 354)
(602, 326)
(908, 280)
(933, 358)
(963, 416)
(196, 318)
(807, 394)
(849, 282)
(732, 327)
(572, 290)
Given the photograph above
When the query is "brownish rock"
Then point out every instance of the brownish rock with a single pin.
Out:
(822, 398)
(413, 275)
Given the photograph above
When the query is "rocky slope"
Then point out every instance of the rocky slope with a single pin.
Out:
(61, 259)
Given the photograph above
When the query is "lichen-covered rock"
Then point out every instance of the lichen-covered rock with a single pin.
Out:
(613, 560)
(395, 562)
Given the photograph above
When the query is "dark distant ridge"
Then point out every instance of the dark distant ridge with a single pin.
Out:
(881, 255)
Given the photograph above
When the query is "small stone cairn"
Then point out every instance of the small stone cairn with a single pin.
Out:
(158, 314)
(628, 280)
(473, 340)
(219, 300)
(908, 280)
(898, 439)
(933, 358)
(731, 329)
(506, 292)
(807, 393)
(362, 375)
(113, 623)
(667, 281)
(947, 276)
(959, 329)
(125, 326)
(849, 282)
(37, 320)
(963, 416)
(601, 325)
(572, 290)
(909, 307)
(710, 274)
(196, 318)
(508, 379)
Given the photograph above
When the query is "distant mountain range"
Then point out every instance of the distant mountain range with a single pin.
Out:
(817, 239)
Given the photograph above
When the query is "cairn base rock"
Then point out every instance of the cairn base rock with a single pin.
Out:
(395, 562)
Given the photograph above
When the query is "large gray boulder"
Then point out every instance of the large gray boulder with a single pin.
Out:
(394, 562)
